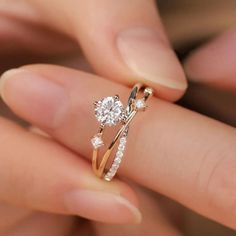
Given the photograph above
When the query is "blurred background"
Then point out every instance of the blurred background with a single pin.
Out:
(189, 23)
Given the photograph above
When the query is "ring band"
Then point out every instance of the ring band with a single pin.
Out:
(109, 111)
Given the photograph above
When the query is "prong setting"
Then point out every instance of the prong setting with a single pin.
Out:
(140, 104)
(109, 111)
(116, 97)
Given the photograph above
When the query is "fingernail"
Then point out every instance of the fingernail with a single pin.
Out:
(150, 57)
(107, 207)
(34, 97)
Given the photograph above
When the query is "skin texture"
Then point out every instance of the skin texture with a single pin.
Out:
(207, 176)
(26, 27)
(106, 35)
(31, 29)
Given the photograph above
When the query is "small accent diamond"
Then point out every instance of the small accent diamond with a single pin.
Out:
(113, 169)
(121, 147)
(123, 140)
(148, 90)
(140, 104)
(117, 160)
(119, 154)
(97, 141)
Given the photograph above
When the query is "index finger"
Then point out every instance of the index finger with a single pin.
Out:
(176, 152)
(123, 40)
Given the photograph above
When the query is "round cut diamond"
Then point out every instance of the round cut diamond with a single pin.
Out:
(109, 111)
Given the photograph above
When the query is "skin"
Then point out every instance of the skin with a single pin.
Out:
(219, 57)
(208, 176)
(33, 30)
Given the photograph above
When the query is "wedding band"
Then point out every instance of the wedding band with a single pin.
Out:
(109, 112)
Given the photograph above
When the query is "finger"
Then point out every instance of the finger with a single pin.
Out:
(11, 216)
(43, 224)
(154, 222)
(22, 32)
(214, 63)
(39, 174)
(26, 40)
(123, 40)
(191, 158)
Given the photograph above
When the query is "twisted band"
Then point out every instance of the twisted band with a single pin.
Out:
(109, 111)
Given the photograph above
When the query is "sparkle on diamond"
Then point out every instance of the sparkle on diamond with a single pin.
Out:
(109, 111)
(97, 141)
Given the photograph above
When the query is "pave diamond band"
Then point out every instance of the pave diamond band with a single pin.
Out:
(118, 158)
(110, 111)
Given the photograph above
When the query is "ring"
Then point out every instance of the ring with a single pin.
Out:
(109, 111)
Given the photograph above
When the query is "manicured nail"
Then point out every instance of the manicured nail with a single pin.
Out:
(150, 57)
(103, 206)
(45, 102)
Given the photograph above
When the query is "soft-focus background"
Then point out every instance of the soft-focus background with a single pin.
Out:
(189, 23)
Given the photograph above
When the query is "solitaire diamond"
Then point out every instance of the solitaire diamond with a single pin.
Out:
(109, 111)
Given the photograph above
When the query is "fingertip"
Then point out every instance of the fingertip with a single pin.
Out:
(131, 46)
(5, 77)
(196, 66)
(214, 62)
(149, 57)
(136, 215)
(102, 206)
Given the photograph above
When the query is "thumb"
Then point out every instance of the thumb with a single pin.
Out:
(122, 40)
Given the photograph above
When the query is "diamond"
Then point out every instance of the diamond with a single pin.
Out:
(140, 104)
(113, 169)
(109, 110)
(108, 178)
(119, 154)
(117, 160)
(148, 90)
(121, 147)
(123, 140)
(97, 141)
(109, 175)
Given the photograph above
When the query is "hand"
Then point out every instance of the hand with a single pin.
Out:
(108, 32)
(42, 28)
(190, 157)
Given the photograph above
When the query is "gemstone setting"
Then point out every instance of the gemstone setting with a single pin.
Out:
(97, 141)
(117, 160)
(109, 111)
(140, 104)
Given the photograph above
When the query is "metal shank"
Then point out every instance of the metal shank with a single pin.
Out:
(99, 169)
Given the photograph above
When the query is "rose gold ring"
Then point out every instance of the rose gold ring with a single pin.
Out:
(110, 111)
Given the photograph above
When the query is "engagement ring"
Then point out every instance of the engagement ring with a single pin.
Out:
(109, 112)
